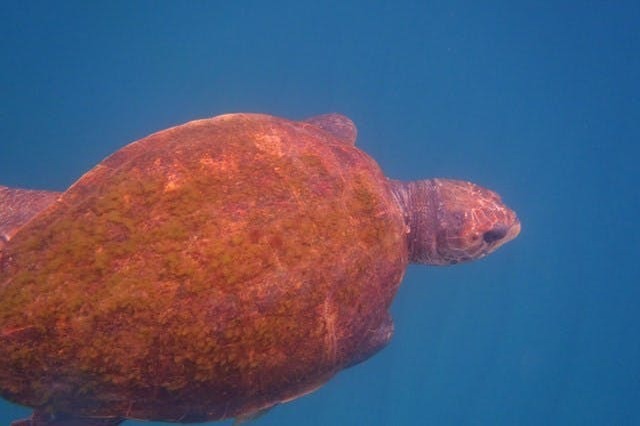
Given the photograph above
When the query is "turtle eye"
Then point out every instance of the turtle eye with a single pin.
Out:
(494, 235)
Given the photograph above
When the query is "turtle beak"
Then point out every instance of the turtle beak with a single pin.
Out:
(502, 234)
(512, 231)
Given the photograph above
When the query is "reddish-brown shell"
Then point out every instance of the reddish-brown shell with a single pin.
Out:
(206, 271)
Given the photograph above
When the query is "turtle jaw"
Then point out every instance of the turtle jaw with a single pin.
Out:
(497, 237)
(512, 232)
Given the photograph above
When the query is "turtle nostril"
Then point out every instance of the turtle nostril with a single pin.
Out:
(495, 234)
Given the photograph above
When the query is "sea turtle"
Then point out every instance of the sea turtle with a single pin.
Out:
(216, 269)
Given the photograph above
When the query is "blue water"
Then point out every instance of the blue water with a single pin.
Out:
(539, 101)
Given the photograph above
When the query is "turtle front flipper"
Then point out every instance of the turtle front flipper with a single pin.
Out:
(42, 418)
(373, 342)
(337, 124)
(18, 206)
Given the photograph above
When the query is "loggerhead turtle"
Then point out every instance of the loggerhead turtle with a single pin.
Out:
(216, 269)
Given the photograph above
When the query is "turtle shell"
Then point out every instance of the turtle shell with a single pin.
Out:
(207, 271)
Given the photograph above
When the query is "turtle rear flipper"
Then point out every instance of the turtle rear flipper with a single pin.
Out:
(18, 206)
(41, 418)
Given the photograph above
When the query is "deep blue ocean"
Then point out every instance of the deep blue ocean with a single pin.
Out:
(539, 101)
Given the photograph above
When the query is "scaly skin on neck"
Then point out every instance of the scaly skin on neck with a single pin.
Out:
(452, 221)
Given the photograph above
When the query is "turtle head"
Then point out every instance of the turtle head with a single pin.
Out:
(453, 221)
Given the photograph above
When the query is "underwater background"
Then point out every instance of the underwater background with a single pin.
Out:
(539, 101)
